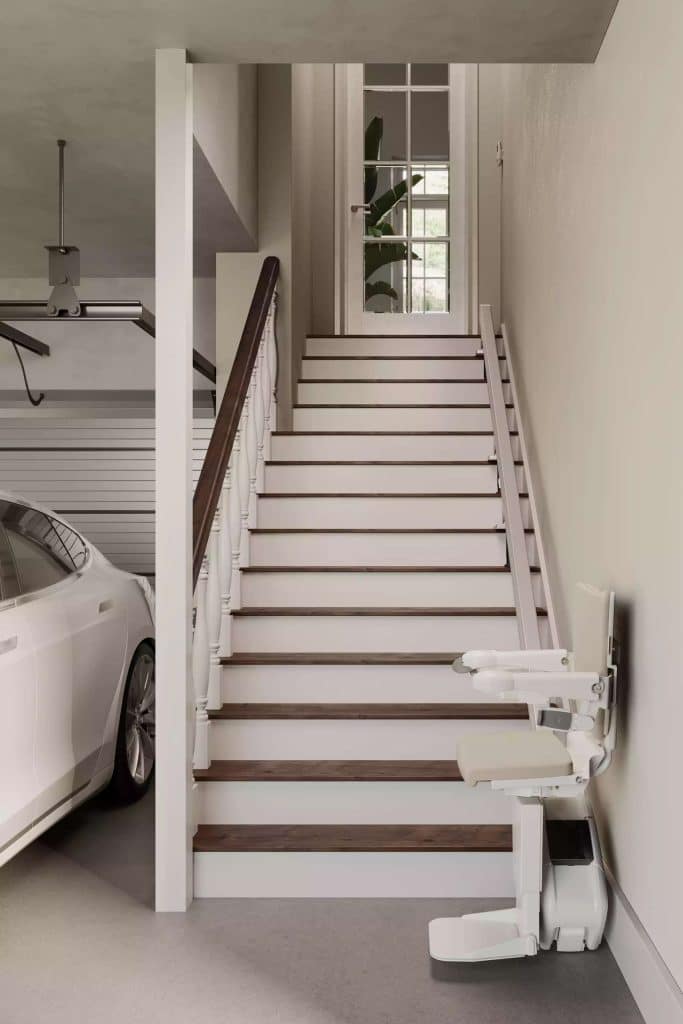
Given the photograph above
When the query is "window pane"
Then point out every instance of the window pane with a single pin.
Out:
(429, 125)
(436, 259)
(385, 74)
(385, 125)
(435, 296)
(385, 189)
(418, 296)
(383, 277)
(429, 74)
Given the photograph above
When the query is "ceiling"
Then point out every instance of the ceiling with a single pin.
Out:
(84, 71)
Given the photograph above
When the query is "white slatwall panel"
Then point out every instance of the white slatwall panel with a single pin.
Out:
(98, 472)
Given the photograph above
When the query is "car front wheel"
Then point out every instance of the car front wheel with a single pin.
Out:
(134, 762)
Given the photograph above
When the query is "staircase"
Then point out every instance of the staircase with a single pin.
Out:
(379, 553)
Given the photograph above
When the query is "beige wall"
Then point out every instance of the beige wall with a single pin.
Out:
(593, 295)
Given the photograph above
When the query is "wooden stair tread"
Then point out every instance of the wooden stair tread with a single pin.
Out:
(385, 433)
(384, 494)
(329, 771)
(318, 610)
(398, 405)
(336, 658)
(354, 838)
(386, 462)
(411, 359)
(383, 568)
(377, 711)
(382, 529)
(394, 380)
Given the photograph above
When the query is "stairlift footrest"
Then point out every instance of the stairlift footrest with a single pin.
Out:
(473, 937)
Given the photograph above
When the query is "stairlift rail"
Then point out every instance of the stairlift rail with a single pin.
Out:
(527, 619)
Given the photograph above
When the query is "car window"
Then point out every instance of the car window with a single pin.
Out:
(9, 578)
(44, 550)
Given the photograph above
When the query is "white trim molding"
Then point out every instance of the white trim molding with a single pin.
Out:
(652, 984)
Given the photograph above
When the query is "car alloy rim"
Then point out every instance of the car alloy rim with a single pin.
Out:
(140, 719)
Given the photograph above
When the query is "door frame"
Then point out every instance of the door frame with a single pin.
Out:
(343, 199)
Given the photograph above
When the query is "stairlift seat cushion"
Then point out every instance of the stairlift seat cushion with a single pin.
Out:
(537, 754)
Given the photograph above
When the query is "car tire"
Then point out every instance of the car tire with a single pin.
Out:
(134, 760)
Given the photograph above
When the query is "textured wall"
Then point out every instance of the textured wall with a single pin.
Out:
(593, 218)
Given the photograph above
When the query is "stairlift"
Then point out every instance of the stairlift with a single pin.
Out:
(560, 889)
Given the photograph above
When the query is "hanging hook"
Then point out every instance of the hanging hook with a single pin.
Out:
(31, 397)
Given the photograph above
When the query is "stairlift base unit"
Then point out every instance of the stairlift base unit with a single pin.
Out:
(571, 914)
(560, 888)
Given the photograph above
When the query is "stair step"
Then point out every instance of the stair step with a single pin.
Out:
(414, 479)
(387, 611)
(416, 348)
(377, 586)
(387, 447)
(355, 838)
(388, 368)
(297, 711)
(329, 771)
(334, 658)
(376, 629)
(383, 511)
(408, 419)
(382, 568)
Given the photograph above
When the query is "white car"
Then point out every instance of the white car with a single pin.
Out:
(76, 674)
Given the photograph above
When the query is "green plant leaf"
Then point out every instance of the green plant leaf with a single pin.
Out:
(386, 202)
(373, 148)
(373, 288)
(380, 254)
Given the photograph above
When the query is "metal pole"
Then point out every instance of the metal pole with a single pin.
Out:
(61, 144)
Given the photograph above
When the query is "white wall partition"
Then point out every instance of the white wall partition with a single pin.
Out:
(173, 479)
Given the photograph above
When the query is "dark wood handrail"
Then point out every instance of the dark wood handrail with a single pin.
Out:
(218, 453)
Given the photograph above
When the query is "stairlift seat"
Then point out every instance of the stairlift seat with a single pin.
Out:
(483, 757)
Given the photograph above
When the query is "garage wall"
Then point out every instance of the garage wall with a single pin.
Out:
(95, 466)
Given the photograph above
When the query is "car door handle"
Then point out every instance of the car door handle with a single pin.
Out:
(8, 645)
(105, 606)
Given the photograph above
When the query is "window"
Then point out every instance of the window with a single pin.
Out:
(407, 184)
(43, 550)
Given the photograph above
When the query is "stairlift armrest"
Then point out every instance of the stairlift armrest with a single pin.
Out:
(582, 686)
(525, 661)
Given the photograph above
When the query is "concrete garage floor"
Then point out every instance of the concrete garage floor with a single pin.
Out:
(78, 941)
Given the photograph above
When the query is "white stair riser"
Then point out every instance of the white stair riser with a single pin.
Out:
(353, 875)
(351, 803)
(392, 369)
(419, 419)
(393, 479)
(378, 448)
(397, 346)
(390, 393)
(378, 633)
(371, 684)
(377, 589)
(321, 739)
(376, 549)
(383, 513)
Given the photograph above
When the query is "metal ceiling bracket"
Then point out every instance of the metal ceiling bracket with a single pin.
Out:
(64, 273)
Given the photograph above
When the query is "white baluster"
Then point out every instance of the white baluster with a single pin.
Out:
(244, 485)
(200, 671)
(235, 521)
(272, 365)
(225, 551)
(252, 447)
(213, 611)
(260, 418)
(266, 387)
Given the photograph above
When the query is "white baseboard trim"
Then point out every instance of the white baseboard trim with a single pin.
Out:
(652, 985)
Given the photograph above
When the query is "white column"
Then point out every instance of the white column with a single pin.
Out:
(175, 703)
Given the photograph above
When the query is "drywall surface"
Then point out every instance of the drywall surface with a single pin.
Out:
(593, 218)
(106, 356)
(489, 192)
(226, 128)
